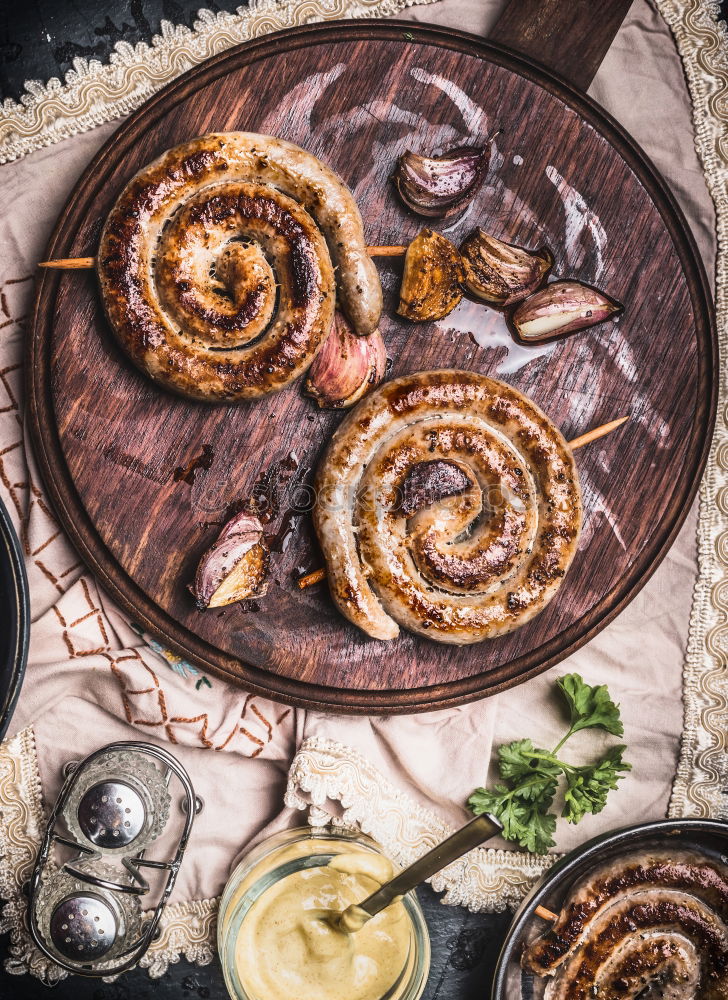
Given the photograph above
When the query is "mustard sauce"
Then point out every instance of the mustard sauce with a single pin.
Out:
(289, 948)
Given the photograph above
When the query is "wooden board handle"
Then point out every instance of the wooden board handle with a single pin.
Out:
(570, 37)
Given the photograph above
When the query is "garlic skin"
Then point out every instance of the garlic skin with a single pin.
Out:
(499, 273)
(346, 367)
(235, 566)
(560, 308)
(440, 186)
(433, 272)
(241, 524)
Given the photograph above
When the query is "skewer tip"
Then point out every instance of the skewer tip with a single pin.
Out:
(69, 263)
(388, 251)
(597, 432)
(311, 578)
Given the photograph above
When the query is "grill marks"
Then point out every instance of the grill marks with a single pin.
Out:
(221, 287)
(644, 922)
(448, 504)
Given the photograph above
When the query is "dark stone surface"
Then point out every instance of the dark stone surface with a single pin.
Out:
(41, 38)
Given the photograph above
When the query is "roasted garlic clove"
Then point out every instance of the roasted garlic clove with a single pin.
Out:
(429, 482)
(346, 367)
(433, 271)
(501, 273)
(241, 524)
(440, 185)
(559, 308)
(235, 567)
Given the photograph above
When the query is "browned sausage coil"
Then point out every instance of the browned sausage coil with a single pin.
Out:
(647, 925)
(449, 504)
(216, 265)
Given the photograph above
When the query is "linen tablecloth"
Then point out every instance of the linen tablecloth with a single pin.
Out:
(92, 677)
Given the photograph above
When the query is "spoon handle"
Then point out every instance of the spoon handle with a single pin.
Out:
(463, 840)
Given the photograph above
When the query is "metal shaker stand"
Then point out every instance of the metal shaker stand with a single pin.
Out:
(87, 907)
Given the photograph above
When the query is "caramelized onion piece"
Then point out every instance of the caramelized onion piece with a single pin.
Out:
(559, 308)
(502, 273)
(440, 185)
(346, 367)
(234, 568)
(433, 271)
(242, 523)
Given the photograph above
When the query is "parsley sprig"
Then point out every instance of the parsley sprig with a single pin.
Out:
(530, 776)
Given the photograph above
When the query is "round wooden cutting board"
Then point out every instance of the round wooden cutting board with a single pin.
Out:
(143, 480)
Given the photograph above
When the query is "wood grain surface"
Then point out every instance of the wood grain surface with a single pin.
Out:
(570, 37)
(358, 94)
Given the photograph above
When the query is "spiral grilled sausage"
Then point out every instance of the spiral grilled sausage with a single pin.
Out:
(215, 265)
(647, 922)
(449, 504)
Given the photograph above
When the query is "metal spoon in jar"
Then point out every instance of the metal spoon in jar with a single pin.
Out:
(463, 840)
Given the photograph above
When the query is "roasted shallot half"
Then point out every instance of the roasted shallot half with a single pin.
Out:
(439, 186)
(346, 367)
(499, 273)
(433, 271)
(561, 307)
(235, 566)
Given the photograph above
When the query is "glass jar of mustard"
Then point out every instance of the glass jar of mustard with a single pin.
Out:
(275, 936)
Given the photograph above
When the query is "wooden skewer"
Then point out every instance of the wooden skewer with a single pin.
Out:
(311, 578)
(81, 263)
(398, 251)
(597, 432)
(593, 435)
(545, 914)
(70, 263)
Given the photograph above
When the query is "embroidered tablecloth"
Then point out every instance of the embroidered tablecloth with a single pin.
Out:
(93, 677)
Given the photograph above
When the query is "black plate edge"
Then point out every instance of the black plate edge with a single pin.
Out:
(15, 582)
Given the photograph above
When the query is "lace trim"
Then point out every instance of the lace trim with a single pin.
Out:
(93, 93)
(21, 826)
(186, 928)
(702, 774)
(325, 772)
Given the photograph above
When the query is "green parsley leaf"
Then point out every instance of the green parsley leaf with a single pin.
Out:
(530, 776)
(486, 800)
(528, 823)
(587, 787)
(590, 707)
(521, 759)
(539, 835)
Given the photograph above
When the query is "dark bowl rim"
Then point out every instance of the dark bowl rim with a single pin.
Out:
(17, 615)
(591, 850)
